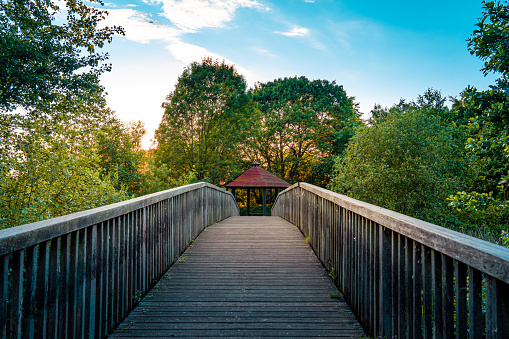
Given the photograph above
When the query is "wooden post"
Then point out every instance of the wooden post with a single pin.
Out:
(248, 200)
(264, 202)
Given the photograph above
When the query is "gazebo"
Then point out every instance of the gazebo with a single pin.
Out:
(257, 178)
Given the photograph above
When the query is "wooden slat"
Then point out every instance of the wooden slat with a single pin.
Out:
(4, 268)
(497, 308)
(460, 275)
(475, 303)
(17, 294)
(448, 289)
(418, 285)
(53, 287)
(29, 293)
(63, 302)
(42, 288)
(245, 276)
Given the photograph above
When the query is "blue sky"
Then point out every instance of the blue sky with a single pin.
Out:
(380, 51)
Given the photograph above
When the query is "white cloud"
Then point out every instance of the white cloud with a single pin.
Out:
(309, 1)
(191, 15)
(140, 26)
(295, 31)
(264, 51)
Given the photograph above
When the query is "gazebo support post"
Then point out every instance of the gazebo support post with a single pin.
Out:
(264, 202)
(248, 200)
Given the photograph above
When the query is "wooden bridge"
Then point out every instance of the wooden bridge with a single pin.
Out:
(134, 269)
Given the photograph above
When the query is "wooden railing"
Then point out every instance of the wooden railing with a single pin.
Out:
(401, 276)
(79, 275)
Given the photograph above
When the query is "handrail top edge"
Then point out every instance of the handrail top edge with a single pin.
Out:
(78, 220)
(393, 220)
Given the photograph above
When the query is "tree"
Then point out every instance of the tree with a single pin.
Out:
(409, 162)
(207, 119)
(41, 60)
(490, 40)
(48, 170)
(304, 123)
(51, 107)
(119, 151)
(485, 117)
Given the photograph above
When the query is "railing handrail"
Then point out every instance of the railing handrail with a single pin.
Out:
(19, 237)
(483, 255)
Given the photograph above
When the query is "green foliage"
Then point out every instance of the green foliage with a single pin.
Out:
(505, 238)
(41, 60)
(207, 120)
(490, 40)
(159, 177)
(336, 295)
(119, 151)
(484, 117)
(304, 123)
(49, 168)
(408, 161)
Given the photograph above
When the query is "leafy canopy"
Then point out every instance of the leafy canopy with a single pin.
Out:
(408, 161)
(303, 124)
(490, 40)
(41, 60)
(206, 122)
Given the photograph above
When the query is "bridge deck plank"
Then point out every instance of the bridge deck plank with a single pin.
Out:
(244, 277)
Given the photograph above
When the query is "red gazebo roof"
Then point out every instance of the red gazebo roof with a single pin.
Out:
(257, 177)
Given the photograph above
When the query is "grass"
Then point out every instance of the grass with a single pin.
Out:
(336, 295)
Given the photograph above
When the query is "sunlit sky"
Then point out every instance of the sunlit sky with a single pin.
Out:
(380, 51)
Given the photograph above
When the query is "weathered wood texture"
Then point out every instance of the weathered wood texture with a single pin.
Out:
(244, 277)
(78, 276)
(401, 276)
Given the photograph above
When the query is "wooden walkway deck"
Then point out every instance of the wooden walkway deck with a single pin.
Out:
(244, 277)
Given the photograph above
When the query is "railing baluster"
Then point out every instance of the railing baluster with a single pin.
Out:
(438, 321)
(80, 290)
(427, 293)
(448, 295)
(63, 293)
(53, 288)
(91, 282)
(73, 285)
(475, 303)
(16, 318)
(42, 288)
(387, 283)
(409, 284)
(417, 291)
(402, 286)
(29, 306)
(378, 325)
(497, 308)
(4, 269)
(395, 283)
(460, 275)
(105, 279)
